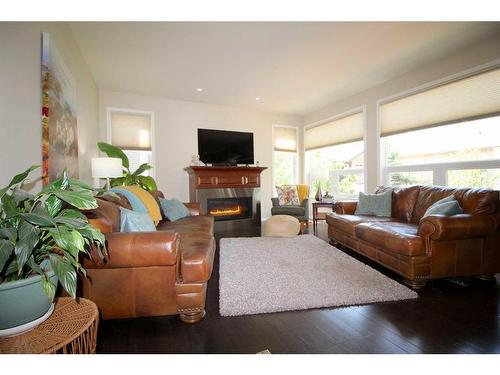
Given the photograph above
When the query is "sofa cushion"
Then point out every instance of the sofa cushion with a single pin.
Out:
(288, 210)
(288, 195)
(374, 204)
(131, 221)
(473, 201)
(397, 237)
(173, 209)
(347, 223)
(447, 206)
(190, 224)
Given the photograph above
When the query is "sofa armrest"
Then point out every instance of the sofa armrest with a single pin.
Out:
(457, 227)
(139, 249)
(275, 202)
(194, 208)
(346, 207)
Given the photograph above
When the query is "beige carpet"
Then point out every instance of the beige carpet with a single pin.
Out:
(264, 274)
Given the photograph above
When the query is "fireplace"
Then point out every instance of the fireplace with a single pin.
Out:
(230, 208)
(230, 194)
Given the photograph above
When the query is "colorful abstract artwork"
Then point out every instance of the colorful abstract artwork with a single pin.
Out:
(59, 128)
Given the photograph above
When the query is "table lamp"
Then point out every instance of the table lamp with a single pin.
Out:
(106, 168)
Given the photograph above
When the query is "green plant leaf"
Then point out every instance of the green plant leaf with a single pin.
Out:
(39, 219)
(8, 206)
(69, 241)
(81, 184)
(65, 272)
(9, 233)
(53, 205)
(28, 238)
(61, 183)
(93, 234)
(48, 287)
(74, 214)
(114, 152)
(73, 223)
(18, 178)
(142, 168)
(6, 248)
(19, 195)
(148, 183)
(119, 181)
(83, 200)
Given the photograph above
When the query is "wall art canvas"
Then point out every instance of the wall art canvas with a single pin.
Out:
(59, 128)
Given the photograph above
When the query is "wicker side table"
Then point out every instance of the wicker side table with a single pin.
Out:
(72, 328)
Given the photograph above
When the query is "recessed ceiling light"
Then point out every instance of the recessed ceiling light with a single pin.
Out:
(199, 89)
(257, 98)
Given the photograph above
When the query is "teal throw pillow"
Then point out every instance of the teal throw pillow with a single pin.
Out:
(132, 221)
(173, 209)
(447, 206)
(375, 204)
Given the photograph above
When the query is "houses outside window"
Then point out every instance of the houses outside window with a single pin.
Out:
(448, 135)
(335, 156)
(285, 156)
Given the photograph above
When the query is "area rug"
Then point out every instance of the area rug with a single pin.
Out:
(265, 274)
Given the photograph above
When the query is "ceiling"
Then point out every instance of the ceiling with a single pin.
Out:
(294, 67)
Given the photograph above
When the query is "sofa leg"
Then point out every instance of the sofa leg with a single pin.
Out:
(415, 283)
(191, 318)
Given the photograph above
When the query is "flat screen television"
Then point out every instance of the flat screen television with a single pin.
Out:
(222, 147)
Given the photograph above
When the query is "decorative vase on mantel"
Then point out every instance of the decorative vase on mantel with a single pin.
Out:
(319, 193)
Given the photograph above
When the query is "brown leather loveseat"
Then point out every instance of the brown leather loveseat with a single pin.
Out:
(427, 248)
(151, 273)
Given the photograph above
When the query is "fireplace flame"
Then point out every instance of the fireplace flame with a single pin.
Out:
(226, 211)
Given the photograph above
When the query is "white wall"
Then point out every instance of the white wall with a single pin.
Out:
(175, 138)
(20, 93)
(480, 53)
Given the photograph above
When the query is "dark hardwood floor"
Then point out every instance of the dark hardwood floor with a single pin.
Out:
(448, 317)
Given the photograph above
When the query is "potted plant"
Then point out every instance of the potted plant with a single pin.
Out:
(42, 238)
(129, 177)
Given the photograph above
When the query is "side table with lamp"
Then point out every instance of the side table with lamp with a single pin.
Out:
(321, 215)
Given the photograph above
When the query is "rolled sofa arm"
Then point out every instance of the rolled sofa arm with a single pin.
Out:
(346, 207)
(139, 249)
(193, 207)
(457, 227)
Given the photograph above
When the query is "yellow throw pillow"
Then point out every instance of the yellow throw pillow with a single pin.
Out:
(148, 201)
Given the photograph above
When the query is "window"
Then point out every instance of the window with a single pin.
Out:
(448, 135)
(335, 156)
(285, 160)
(132, 132)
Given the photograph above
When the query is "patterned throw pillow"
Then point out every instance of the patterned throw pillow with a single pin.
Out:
(288, 195)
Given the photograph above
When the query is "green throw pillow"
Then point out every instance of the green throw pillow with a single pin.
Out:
(375, 204)
(132, 221)
(173, 209)
(447, 206)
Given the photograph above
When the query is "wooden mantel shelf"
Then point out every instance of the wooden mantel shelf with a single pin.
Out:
(223, 177)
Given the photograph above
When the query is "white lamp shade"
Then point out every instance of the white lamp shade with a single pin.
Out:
(106, 167)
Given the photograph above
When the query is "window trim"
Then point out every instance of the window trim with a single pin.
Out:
(383, 171)
(151, 114)
(353, 111)
(297, 158)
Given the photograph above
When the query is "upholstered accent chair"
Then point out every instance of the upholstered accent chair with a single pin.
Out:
(301, 212)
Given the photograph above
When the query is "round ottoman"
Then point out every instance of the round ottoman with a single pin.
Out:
(281, 226)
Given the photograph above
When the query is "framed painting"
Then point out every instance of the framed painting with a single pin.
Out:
(59, 116)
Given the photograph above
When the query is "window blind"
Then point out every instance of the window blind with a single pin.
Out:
(285, 139)
(131, 131)
(468, 98)
(343, 130)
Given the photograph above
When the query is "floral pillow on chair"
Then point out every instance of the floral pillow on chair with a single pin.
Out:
(288, 195)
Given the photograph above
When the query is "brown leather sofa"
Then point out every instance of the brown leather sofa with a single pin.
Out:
(427, 248)
(151, 273)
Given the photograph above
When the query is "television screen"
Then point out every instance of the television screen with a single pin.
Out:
(225, 147)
